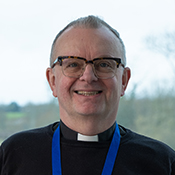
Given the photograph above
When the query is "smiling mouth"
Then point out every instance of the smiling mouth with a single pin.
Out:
(86, 93)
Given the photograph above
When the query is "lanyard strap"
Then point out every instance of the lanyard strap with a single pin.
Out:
(110, 158)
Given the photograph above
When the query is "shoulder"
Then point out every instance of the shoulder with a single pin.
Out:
(26, 149)
(29, 137)
(136, 149)
(146, 145)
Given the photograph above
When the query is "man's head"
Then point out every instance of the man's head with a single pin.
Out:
(88, 103)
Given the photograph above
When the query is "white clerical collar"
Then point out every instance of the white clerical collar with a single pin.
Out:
(85, 138)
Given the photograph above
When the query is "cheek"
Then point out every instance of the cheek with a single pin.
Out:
(63, 87)
(114, 88)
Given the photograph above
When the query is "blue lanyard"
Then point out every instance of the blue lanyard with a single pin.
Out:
(110, 158)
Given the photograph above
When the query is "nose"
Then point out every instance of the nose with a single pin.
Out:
(88, 74)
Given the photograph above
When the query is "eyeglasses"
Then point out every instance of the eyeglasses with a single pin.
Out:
(74, 67)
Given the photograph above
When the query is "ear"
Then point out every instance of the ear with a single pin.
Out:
(125, 79)
(51, 80)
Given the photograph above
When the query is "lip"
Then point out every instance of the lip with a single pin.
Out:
(88, 93)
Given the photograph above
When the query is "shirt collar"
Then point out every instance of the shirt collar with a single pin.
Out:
(70, 134)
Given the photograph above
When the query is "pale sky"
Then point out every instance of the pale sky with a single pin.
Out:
(27, 29)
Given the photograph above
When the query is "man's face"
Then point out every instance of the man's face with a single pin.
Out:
(88, 97)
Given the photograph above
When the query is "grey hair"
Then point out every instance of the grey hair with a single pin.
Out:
(89, 22)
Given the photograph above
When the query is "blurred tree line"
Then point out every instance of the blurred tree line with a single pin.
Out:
(153, 117)
(15, 118)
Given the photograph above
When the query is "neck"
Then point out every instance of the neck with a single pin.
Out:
(88, 125)
(88, 128)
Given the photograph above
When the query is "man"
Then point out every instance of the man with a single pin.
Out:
(88, 76)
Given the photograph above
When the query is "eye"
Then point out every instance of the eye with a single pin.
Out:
(73, 65)
(104, 65)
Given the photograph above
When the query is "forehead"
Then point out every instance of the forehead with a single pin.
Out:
(79, 41)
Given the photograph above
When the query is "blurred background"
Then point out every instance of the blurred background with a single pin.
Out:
(147, 27)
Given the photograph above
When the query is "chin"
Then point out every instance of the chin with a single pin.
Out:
(90, 112)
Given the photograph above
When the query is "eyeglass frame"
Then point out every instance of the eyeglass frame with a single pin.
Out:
(60, 59)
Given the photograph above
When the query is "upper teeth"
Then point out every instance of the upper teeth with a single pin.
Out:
(87, 93)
